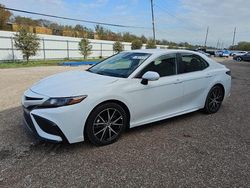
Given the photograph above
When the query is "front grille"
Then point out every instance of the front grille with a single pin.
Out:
(32, 98)
(32, 107)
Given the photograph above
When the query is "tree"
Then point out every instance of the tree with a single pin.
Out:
(118, 47)
(101, 32)
(150, 44)
(85, 48)
(27, 42)
(143, 39)
(20, 20)
(136, 44)
(241, 46)
(4, 16)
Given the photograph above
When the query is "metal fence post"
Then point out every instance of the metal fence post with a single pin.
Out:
(101, 50)
(12, 49)
(68, 49)
(44, 53)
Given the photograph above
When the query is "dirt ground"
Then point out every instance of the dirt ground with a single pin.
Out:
(193, 150)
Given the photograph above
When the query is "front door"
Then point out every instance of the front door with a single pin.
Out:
(158, 99)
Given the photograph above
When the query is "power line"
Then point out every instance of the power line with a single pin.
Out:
(165, 10)
(74, 19)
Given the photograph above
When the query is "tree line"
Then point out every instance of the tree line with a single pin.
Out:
(244, 46)
(99, 32)
(28, 43)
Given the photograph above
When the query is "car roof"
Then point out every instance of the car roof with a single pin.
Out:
(161, 51)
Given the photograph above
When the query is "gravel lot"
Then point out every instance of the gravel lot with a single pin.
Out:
(193, 150)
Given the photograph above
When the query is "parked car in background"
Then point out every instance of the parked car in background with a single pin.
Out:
(127, 90)
(207, 54)
(243, 57)
(218, 53)
(238, 53)
(222, 53)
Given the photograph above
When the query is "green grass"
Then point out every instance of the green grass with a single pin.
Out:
(37, 63)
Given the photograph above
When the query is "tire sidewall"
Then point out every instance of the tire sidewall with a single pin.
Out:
(206, 108)
(92, 117)
(239, 59)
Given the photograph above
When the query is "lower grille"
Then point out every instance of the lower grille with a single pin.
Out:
(28, 120)
(44, 124)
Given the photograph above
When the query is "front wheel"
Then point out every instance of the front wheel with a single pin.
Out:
(214, 100)
(106, 123)
(238, 59)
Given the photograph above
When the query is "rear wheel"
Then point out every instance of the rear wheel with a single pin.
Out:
(106, 123)
(214, 99)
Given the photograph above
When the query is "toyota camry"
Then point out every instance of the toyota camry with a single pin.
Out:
(129, 89)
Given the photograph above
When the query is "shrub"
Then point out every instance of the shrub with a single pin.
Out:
(150, 44)
(85, 48)
(136, 44)
(27, 42)
(118, 47)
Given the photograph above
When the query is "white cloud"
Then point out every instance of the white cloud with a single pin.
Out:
(193, 17)
(221, 16)
(94, 4)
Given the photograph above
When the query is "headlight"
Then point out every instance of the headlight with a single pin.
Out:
(63, 101)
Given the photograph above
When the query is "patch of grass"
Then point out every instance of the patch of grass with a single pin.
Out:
(21, 64)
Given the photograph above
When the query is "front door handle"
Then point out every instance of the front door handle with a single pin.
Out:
(178, 81)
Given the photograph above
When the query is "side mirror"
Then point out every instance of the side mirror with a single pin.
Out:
(149, 76)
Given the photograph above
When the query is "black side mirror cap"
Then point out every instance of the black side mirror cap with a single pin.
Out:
(144, 82)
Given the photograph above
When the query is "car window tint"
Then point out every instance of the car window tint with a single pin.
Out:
(191, 63)
(164, 66)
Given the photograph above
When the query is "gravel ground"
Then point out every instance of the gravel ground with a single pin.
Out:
(193, 150)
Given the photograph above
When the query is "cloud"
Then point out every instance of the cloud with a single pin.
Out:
(221, 16)
(94, 4)
(180, 20)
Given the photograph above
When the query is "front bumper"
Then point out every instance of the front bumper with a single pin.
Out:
(42, 128)
(54, 124)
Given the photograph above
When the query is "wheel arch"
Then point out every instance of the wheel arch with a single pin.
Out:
(222, 86)
(209, 89)
(122, 104)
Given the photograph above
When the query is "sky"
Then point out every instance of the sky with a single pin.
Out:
(175, 20)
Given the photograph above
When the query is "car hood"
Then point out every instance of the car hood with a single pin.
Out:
(71, 83)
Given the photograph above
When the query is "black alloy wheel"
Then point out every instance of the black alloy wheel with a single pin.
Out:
(106, 123)
(214, 99)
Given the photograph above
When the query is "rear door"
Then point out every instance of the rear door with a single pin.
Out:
(192, 70)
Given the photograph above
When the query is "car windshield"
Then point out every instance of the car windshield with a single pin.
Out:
(120, 65)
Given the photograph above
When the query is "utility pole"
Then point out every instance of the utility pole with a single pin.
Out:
(206, 37)
(153, 19)
(234, 36)
(218, 43)
(222, 45)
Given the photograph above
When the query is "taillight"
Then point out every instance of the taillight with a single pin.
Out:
(228, 73)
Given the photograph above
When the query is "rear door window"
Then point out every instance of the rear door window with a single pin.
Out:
(190, 63)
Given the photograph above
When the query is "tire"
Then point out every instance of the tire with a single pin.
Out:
(106, 123)
(239, 59)
(214, 100)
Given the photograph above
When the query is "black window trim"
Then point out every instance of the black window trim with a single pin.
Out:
(176, 66)
(179, 61)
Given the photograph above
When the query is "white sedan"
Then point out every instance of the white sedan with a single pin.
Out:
(129, 89)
